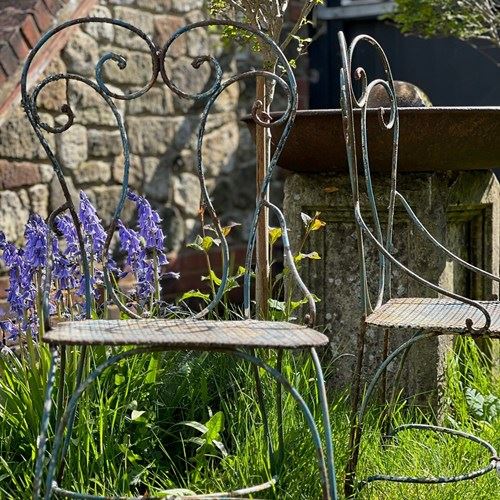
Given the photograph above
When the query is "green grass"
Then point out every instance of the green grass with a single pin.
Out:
(130, 435)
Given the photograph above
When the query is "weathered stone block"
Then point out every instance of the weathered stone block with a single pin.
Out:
(46, 173)
(90, 108)
(39, 199)
(104, 143)
(103, 32)
(52, 97)
(186, 6)
(18, 140)
(105, 200)
(164, 28)
(135, 175)
(196, 39)
(72, 146)
(17, 174)
(138, 18)
(81, 53)
(137, 72)
(219, 149)
(56, 196)
(92, 171)
(150, 135)
(155, 5)
(157, 101)
(186, 193)
(13, 216)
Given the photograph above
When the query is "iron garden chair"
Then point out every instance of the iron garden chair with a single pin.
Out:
(449, 314)
(236, 338)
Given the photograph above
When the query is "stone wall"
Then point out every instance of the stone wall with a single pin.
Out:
(161, 127)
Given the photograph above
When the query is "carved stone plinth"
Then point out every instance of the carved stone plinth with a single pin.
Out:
(461, 209)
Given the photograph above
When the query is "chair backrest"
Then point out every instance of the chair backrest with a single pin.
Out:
(158, 54)
(351, 105)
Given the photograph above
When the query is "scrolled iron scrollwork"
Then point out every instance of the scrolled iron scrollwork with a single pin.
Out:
(285, 82)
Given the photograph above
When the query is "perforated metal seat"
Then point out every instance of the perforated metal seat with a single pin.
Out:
(186, 333)
(443, 315)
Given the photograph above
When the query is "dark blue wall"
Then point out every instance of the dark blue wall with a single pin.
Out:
(451, 72)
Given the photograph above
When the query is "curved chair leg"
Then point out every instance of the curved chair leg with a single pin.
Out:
(42, 437)
(494, 460)
(326, 488)
(329, 492)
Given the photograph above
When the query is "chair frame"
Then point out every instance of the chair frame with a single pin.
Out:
(389, 120)
(65, 415)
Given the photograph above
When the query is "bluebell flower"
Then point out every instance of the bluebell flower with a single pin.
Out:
(91, 225)
(66, 227)
(149, 225)
(35, 233)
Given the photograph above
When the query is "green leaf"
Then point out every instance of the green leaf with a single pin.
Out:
(306, 219)
(274, 234)
(215, 426)
(207, 242)
(278, 305)
(195, 294)
(119, 379)
(213, 277)
(311, 256)
(137, 415)
(196, 425)
(197, 244)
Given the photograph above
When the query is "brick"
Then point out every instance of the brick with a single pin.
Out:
(52, 6)
(30, 30)
(15, 175)
(19, 45)
(43, 17)
(9, 60)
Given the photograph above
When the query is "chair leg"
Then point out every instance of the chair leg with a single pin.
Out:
(320, 380)
(307, 414)
(68, 416)
(42, 437)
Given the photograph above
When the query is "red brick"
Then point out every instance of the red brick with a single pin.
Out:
(294, 11)
(19, 45)
(30, 30)
(53, 6)
(14, 175)
(8, 58)
(43, 17)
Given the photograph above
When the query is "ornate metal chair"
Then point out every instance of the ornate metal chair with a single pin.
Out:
(449, 314)
(236, 338)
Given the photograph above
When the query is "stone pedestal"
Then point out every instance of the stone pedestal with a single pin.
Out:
(461, 209)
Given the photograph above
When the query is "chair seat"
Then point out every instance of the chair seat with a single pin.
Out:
(445, 315)
(186, 333)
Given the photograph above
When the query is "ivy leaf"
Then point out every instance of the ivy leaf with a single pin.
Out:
(212, 277)
(207, 242)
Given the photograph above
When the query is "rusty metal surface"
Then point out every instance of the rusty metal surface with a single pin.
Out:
(186, 333)
(445, 315)
(448, 138)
